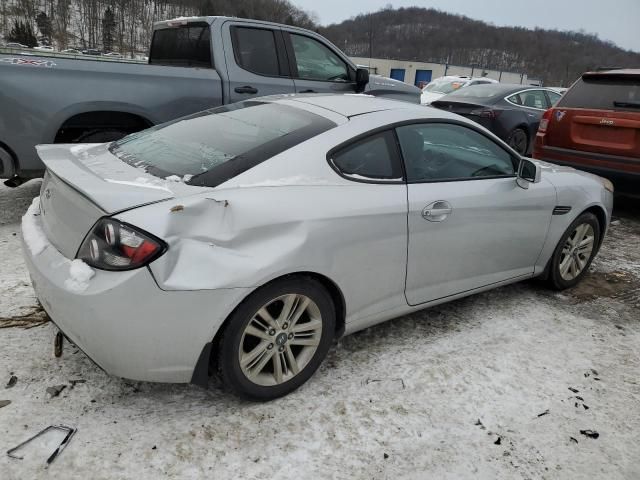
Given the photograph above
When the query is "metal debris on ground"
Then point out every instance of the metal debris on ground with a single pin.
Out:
(31, 319)
(4, 403)
(58, 344)
(55, 390)
(12, 381)
(590, 433)
(65, 441)
(546, 412)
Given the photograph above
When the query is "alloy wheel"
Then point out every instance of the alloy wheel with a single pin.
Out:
(577, 251)
(280, 339)
(518, 141)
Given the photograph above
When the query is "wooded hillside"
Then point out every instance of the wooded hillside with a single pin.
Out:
(123, 25)
(421, 34)
(413, 33)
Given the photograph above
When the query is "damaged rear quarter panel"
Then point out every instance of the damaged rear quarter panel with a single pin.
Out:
(245, 237)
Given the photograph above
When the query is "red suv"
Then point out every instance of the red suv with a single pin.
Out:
(596, 127)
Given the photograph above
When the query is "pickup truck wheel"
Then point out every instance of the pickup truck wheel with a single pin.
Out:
(101, 136)
(276, 338)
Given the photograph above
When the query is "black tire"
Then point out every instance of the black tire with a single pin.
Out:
(519, 141)
(555, 278)
(229, 347)
(101, 136)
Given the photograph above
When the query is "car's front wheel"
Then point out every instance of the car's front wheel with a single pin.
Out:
(575, 252)
(276, 339)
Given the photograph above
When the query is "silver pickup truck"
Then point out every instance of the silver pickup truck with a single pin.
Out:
(194, 63)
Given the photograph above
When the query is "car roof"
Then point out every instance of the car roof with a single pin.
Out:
(613, 73)
(348, 105)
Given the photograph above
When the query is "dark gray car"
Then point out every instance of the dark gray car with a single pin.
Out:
(512, 112)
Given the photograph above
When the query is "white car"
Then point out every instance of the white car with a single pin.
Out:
(15, 45)
(250, 236)
(442, 86)
(45, 48)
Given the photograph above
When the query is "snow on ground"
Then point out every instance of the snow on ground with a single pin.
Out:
(494, 386)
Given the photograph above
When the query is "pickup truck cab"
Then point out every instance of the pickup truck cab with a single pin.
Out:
(194, 64)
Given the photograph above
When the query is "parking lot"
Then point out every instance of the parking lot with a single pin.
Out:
(497, 385)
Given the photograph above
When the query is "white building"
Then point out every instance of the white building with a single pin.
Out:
(421, 73)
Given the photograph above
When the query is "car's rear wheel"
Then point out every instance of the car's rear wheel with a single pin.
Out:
(276, 339)
(519, 141)
(575, 252)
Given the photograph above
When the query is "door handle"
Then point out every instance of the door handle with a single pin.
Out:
(437, 211)
(246, 89)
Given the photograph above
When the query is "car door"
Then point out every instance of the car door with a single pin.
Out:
(535, 103)
(470, 225)
(256, 61)
(316, 67)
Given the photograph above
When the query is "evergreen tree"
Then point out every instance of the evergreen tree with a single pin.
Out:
(22, 32)
(108, 29)
(45, 27)
(206, 8)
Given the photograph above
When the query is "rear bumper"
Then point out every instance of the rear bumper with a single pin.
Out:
(125, 323)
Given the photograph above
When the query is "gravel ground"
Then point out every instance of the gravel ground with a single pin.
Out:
(498, 385)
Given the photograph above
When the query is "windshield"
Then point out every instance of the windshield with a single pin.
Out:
(481, 91)
(210, 147)
(444, 86)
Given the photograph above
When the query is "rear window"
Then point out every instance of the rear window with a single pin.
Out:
(213, 146)
(185, 46)
(603, 94)
(255, 50)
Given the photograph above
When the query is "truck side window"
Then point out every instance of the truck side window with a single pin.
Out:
(255, 50)
(185, 46)
(315, 61)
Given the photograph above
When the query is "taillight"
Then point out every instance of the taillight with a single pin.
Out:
(112, 245)
(544, 121)
(486, 113)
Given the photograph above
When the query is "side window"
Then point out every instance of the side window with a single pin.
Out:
(553, 97)
(534, 99)
(515, 99)
(315, 61)
(255, 50)
(441, 151)
(372, 158)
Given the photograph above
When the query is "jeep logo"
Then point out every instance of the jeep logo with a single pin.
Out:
(606, 121)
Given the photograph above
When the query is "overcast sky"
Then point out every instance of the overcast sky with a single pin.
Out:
(615, 20)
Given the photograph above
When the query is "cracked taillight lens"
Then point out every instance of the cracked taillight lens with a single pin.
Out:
(113, 245)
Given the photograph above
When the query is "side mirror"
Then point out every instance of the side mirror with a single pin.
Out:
(528, 172)
(362, 78)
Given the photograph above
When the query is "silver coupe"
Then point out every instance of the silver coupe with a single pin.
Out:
(246, 238)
